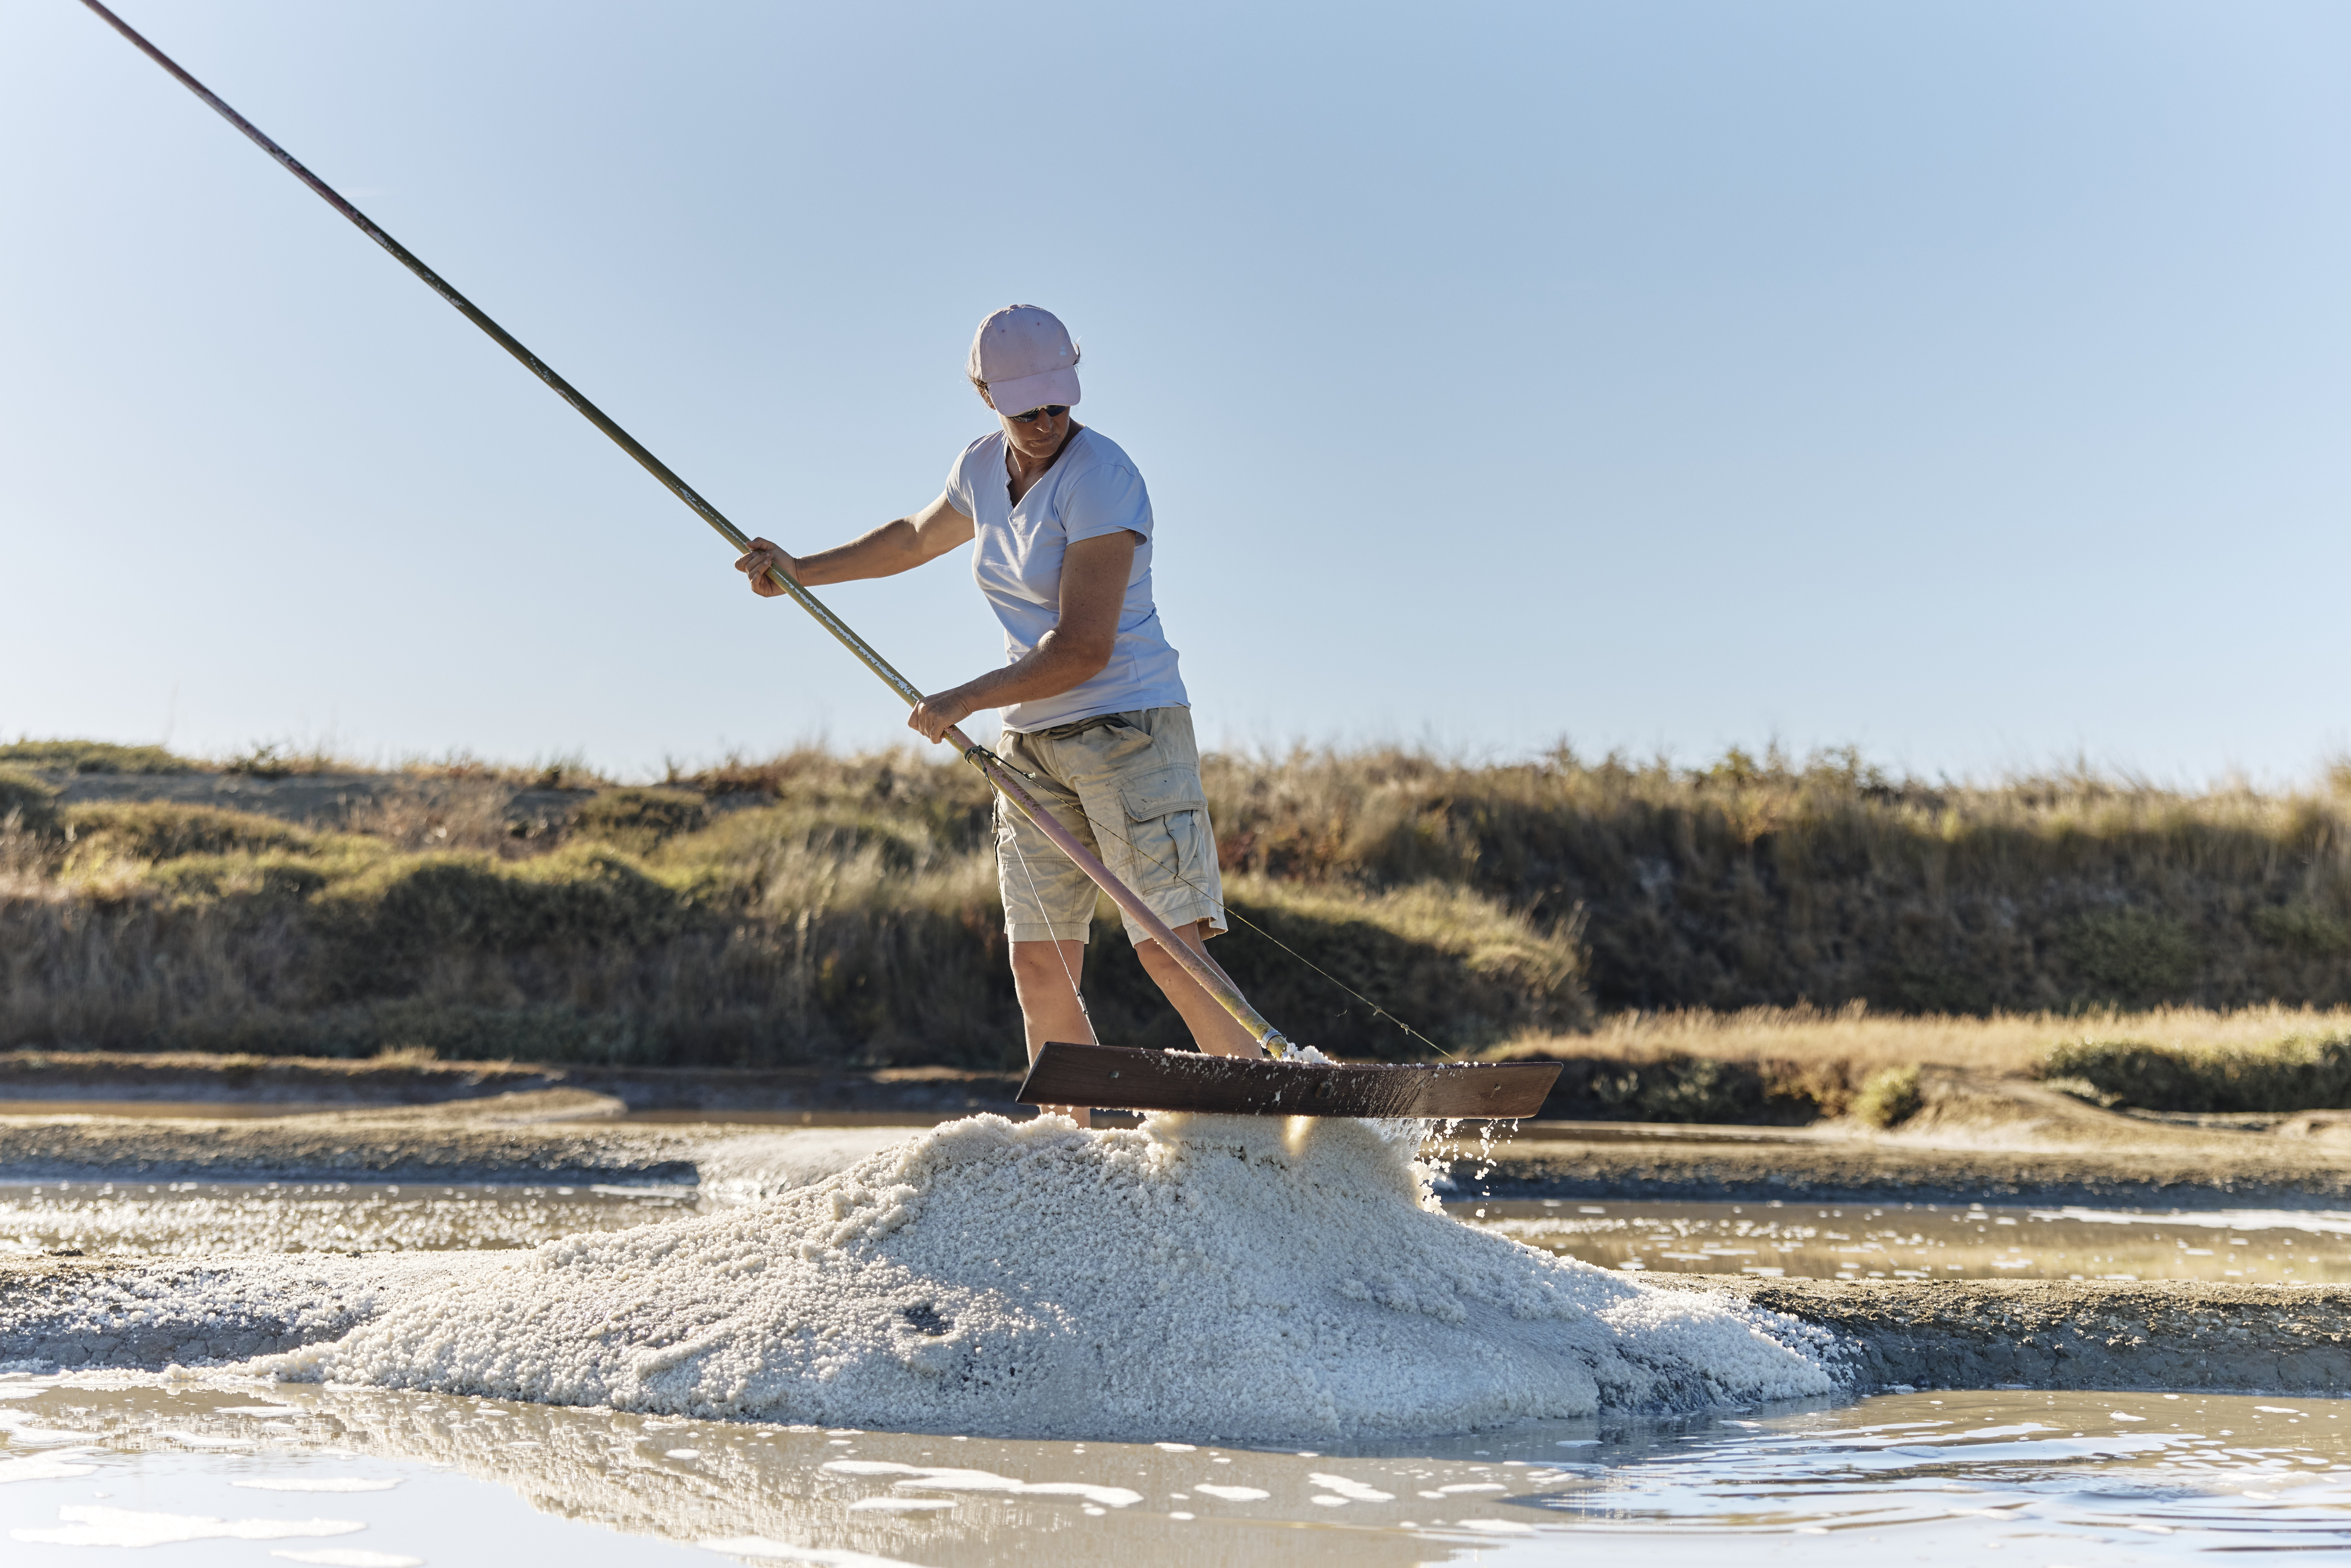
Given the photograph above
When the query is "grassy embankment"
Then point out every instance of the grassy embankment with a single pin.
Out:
(820, 908)
(1795, 1064)
(808, 909)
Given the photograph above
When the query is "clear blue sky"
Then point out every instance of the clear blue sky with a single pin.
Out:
(1966, 382)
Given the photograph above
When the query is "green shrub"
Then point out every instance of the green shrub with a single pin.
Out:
(2131, 958)
(1680, 1088)
(1888, 1098)
(26, 805)
(640, 820)
(273, 879)
(2293, 1074)
(1460, 969)
(285, 760)
(93, 757)
(2306, 929)
(1763, 882)
(388, 925)
(157, 831)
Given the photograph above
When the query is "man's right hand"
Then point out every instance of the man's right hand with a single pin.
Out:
(763, 555)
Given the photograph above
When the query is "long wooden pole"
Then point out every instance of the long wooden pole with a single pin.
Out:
(1210, 977)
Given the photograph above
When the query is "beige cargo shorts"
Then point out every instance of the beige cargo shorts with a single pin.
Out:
(1126, 786)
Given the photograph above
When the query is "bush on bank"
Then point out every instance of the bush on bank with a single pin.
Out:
(774, 934)
(1763, 882)
(2293, 1074)
(28, 806)
(818, 907)
(92, 757)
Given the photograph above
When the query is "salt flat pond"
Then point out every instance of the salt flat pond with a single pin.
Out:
(225, 1469)
(1929, 1241)
(1810, 1240)
(227, 1472)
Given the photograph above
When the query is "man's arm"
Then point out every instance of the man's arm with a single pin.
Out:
(895, 547)
(1093, 590)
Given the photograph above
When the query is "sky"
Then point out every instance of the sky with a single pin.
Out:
(1964, 382)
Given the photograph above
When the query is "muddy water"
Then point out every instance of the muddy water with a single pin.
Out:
(1791, 1239)
(1907, 1242)
(197, 1218)
(242, 1472)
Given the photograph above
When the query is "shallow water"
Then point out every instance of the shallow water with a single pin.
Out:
(230, 1469)
(1772, 1240)
(1920, 1241)
(145, 1220)
(241, 1471)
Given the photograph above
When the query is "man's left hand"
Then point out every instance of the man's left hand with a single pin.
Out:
(934, 716)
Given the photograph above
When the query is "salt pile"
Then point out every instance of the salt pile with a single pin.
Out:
(1231, 1277)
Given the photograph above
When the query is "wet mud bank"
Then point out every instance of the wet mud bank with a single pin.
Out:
(1978, 1138)
(2092, 1334)
(1858, 1171)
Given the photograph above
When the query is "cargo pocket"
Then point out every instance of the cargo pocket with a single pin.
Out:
(1161, 792)
(1166, 824)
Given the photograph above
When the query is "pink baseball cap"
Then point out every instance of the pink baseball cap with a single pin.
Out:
(1025, 356)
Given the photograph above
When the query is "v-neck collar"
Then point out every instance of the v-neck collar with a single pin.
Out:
(1005, 462)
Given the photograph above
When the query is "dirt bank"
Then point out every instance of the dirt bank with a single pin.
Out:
(414, 1080)
(1980, 1333)
(1978, 1138)
(1859, 1170)
(314, 800)
(544, 1136)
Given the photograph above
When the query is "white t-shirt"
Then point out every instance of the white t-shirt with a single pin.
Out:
(1091, 489)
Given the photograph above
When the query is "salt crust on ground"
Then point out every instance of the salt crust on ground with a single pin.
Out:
(753, 1165)
(1231, 1277)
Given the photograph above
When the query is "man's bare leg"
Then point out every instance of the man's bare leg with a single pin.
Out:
(1214, 1029)
(1042, 972)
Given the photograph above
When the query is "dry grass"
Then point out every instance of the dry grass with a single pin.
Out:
(93, 757)
(1869, 1041)
(856, 921)
(1817, 918)
(1766, 881)
(287, 759)
(1793, 1064)
(563, 770)
(452, 813)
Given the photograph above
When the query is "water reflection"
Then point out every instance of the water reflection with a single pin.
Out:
(1940, 1476)
(1920, 1241)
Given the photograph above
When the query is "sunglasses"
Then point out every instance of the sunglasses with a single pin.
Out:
(1054, 410)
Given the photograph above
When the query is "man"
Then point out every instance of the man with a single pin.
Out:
(1092, 708)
